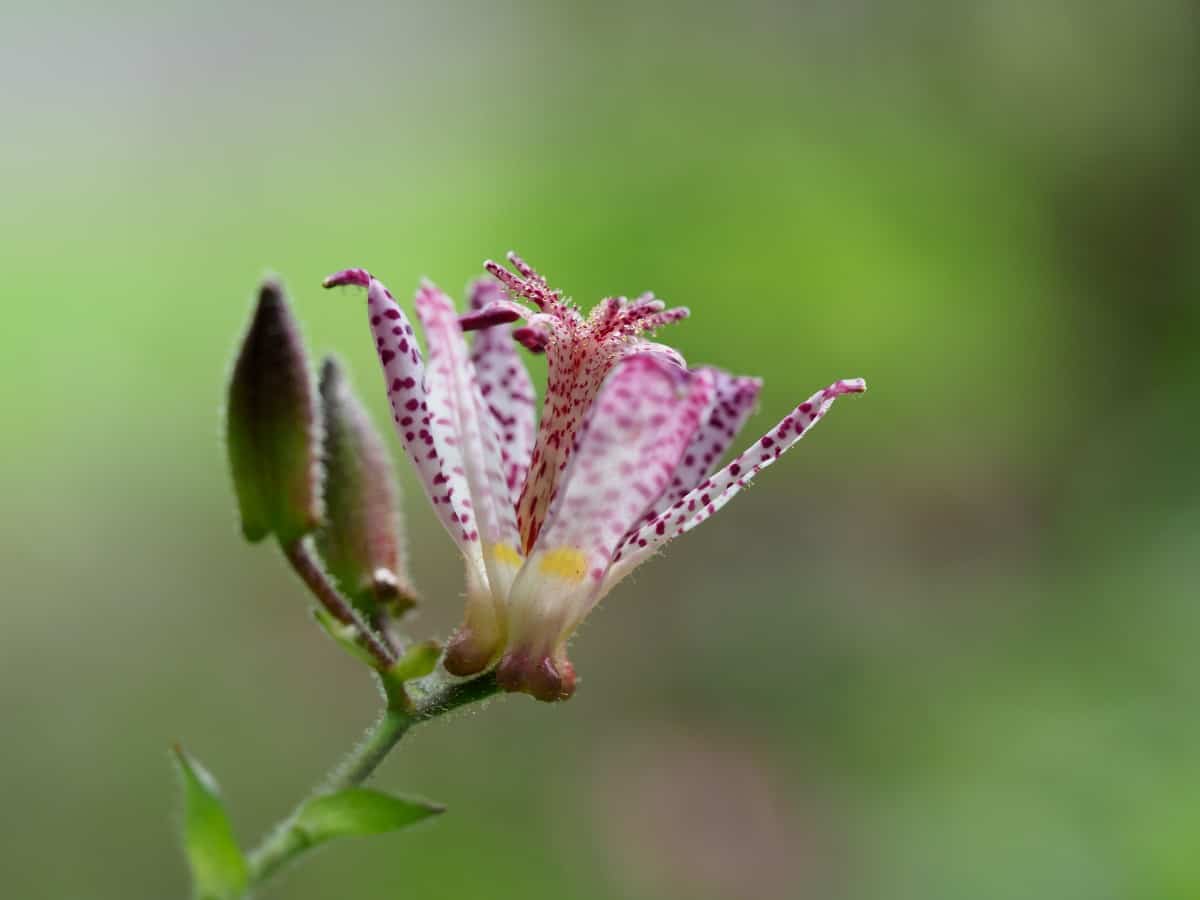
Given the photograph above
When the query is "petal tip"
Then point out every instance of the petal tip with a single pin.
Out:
(355, 277)
(846, 386)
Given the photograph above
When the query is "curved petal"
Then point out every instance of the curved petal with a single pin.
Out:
(580, 353)
(733, 402)
(413, 395)
(463, 429)
(506, 389)
(665, 351)
(624, 455)
(711, 494)
(575, 373)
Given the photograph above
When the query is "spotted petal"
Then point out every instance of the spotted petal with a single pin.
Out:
(580, 353)
(575, 374)
(624, 455)
(712, 493)
(733, 402)
(463, 429)
(505, 387)
(437, 463)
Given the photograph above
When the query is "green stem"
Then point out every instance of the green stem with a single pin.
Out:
(358, 766)
(300, 556)
(433, 697)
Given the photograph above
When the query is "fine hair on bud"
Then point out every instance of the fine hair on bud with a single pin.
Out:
(271, 425)
(362, 538)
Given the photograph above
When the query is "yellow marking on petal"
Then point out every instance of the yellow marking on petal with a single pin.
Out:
(566, 563)
(507, 554)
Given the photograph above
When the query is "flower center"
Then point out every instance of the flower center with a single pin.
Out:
(580, 352)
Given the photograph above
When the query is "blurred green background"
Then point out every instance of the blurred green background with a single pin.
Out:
(946, 649)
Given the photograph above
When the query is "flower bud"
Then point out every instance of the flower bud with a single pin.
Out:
(270, 422)
(361, 540)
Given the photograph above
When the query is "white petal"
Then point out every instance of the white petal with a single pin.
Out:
(711, 494)
(506, 390)
(734, 400)
(461, 424)
(412, 395)
(624, 454)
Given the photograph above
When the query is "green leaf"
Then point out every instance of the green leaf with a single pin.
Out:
(360, 811)
(218, 867)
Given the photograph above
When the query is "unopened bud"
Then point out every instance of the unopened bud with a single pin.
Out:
(271, 426)
(361, 540)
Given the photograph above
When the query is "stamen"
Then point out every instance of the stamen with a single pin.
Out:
(608, 311)
(510, 280)
(581, 352)
(532, 339)
(531, 286)
(665, 317)
(523, 267)
(647, 302)
(487, 318)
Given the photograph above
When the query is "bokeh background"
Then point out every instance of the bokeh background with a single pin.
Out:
(946, 649)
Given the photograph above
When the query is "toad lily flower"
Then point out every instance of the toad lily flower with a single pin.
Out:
(550, 517)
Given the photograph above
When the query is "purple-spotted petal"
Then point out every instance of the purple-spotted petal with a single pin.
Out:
(462, 429)
(624, 455)
(440, 472)
(733, 402)
(580, 352)
(645, 416)
(505, 387)
(712, 493)
(664, 351)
